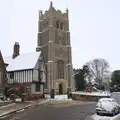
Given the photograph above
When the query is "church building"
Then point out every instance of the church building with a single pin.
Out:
(54, 42)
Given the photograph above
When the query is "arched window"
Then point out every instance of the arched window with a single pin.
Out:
(60, 69)
(60, 39)
(61, 25)
(57, 24)
(45, 24)
(63, 40)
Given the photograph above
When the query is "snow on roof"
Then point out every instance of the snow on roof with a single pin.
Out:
(22, 62)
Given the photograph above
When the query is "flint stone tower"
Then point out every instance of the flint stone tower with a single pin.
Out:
(54, 42)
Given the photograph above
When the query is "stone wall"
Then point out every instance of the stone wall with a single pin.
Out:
(3, 103)
(87, 97)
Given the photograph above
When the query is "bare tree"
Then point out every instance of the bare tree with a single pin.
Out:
(99, 68)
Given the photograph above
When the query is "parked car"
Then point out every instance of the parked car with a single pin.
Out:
(107, 106)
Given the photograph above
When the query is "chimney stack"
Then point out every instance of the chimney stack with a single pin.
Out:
(16, 50)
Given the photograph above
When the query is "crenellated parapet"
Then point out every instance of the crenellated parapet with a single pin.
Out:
(52, 12)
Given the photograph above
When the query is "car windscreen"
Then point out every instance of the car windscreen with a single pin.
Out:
(107, 101)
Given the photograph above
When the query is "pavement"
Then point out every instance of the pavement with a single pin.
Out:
(7, 110)
(67, 103)
(52, 109)
(46, 111)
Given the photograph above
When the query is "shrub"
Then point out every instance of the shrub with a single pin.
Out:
(6, 91)
(22, 89)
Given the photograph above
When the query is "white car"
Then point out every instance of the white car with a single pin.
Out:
(107, 106)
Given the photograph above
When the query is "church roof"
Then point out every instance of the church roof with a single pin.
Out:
(23, 61)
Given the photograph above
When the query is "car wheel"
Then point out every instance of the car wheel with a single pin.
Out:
(118, 111)
(98, 113)
(114, 113)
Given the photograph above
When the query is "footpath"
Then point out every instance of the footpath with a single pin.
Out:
(98, 117)
(7, 110)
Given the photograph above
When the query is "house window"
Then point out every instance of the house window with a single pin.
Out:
(37, 87)
(11, 75)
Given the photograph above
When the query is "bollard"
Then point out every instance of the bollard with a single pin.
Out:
(52, 93)
(68, 93)
(43, 95)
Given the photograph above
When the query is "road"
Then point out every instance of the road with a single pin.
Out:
(57, 112)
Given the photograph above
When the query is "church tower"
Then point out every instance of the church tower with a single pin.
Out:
(54, 42)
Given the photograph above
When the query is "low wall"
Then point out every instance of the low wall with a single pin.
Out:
(2, 103)
(86, 97)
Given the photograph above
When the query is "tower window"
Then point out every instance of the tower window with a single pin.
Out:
(60, 39)
(61, 26)
(57, 24)
(63, 42)
(46, 24)
(64, 39)
(60, 69)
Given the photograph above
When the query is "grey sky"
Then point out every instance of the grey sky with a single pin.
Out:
(94, 27)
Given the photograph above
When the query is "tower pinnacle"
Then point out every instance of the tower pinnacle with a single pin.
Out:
(67, 10)
(51, 4)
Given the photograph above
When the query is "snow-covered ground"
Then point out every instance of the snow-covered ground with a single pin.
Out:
(105, 93)
(64, 97)
(18, 100)
(97, 117)
(59, 97)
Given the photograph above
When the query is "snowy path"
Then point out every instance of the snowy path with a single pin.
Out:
(97, 117)
(59, 97)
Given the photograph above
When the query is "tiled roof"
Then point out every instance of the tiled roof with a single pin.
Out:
(22, 62)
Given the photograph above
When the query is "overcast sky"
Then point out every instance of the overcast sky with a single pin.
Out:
(94, 27)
